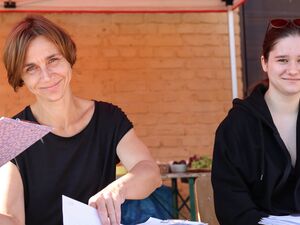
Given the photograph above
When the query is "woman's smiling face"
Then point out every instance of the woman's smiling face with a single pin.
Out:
(46, 72)
(283, 66)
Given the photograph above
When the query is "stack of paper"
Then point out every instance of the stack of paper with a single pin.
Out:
(17, 135)
(281, 220)
(75, 212)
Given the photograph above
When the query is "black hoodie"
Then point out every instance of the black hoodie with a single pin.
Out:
(252, 174)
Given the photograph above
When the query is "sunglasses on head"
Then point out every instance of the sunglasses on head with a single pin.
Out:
(281, 23)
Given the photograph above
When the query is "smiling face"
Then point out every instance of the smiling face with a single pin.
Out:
(46, 73)
(283, 66)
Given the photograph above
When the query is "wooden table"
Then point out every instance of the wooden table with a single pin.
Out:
(175, 193)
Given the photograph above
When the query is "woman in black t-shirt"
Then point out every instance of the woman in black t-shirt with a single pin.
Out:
(79, 156)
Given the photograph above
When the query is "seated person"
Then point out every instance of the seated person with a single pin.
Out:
(256, 161)
(78, 158)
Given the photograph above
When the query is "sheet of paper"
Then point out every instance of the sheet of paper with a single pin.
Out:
(281, 220)
(16, 136)
(78, 213)
(154, 221)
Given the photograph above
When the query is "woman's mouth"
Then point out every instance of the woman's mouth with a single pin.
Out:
(51, 86)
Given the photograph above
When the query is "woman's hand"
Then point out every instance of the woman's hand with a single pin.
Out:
(142, 178)
(108, 204)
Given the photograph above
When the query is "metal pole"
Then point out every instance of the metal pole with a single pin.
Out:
(232, 52)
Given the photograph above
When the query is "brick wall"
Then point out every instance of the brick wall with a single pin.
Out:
(169, 72)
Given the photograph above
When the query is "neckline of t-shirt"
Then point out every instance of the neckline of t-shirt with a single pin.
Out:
(73, 136)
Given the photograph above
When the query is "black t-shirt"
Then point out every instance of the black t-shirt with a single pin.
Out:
(77, 166)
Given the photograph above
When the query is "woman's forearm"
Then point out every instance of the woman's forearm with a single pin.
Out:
(7, 220)
(141, 180)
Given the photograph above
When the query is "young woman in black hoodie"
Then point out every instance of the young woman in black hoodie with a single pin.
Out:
(256, 161)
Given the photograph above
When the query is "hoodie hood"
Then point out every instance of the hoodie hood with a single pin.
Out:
(256, 105)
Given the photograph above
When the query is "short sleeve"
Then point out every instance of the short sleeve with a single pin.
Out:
(123, 123)
(114, 125)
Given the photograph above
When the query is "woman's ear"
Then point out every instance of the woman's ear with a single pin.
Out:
(264, 63)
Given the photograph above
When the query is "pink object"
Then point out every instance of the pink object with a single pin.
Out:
(16, 136)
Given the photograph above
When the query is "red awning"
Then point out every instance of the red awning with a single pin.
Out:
(111, 6)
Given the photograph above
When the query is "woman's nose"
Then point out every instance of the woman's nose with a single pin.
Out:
(45, 73)
(294, 68)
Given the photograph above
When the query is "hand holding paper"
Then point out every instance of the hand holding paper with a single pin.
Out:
(75, 212)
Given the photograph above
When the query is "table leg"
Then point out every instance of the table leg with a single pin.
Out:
(175, 198)
(192, 198)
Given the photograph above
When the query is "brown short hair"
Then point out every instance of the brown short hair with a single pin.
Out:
(19, 39)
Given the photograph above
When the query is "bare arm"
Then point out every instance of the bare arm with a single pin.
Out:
(12, 197)
(143, 177)
(7, 220)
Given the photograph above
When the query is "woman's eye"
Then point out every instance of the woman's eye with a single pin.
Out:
(31, 69)
(283, 60)
(53, 60)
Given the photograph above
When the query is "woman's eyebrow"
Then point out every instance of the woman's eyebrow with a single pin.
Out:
(29, 64)
(281, 56)
(52, 55)
(48, 57)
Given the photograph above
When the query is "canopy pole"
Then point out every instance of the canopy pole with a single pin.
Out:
(232, 52)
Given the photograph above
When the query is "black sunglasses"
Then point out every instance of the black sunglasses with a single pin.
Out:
(281, 23)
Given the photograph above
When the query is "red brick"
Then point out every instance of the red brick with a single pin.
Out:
(170, 73)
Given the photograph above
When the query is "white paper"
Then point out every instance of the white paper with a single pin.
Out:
(78, 213)
(281, 220)
(154, 221)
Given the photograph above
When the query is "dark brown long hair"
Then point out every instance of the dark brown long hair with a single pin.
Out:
(272, 37)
